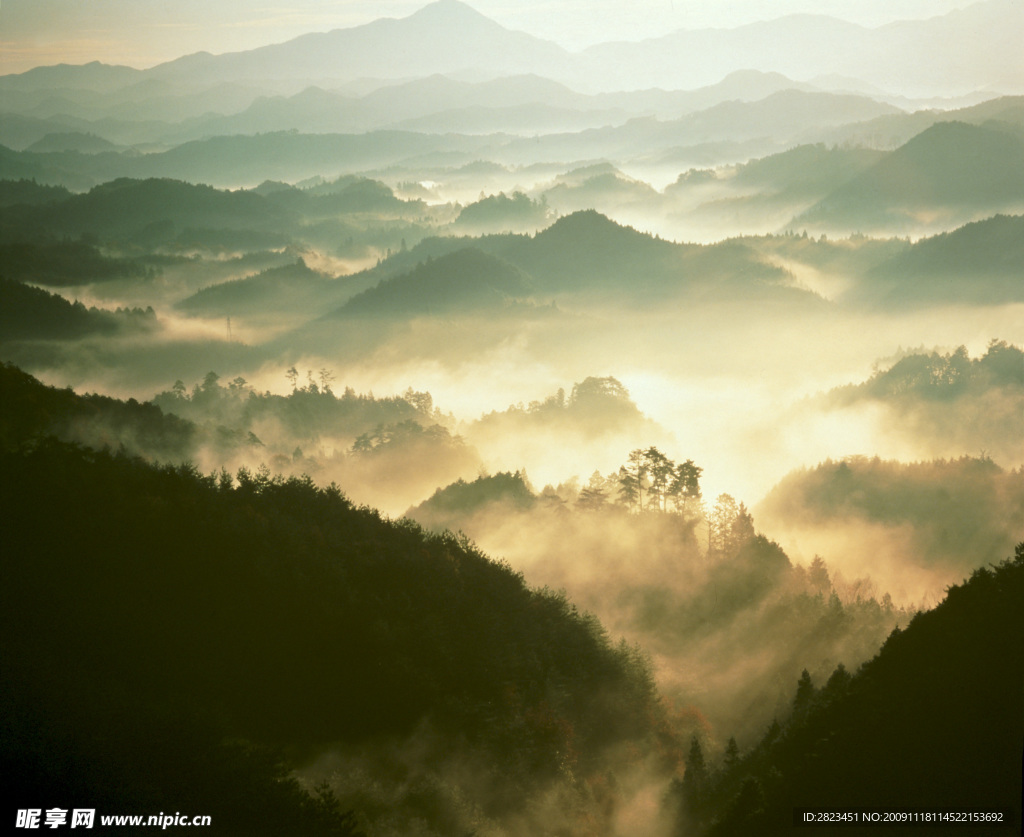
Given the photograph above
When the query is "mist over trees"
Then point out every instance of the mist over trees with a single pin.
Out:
(859, 734)
(420, 428)
(309, 679)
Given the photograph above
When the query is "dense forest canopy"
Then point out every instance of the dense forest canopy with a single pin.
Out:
(422, 428)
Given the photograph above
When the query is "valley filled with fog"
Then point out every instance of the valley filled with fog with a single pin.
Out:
(573, 410)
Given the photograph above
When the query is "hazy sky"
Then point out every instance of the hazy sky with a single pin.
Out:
(141, 33)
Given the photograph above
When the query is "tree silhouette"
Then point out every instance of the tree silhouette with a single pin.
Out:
(669, 487)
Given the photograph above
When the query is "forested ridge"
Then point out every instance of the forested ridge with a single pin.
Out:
(933, 722)
(28, 313)
(219, 643)
(224, 629)
(30, 411)
(431, 428)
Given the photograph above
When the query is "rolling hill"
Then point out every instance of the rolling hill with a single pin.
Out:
(467, 280)
(291, 288)
(981, 263)
(948, 171)
(220, 631)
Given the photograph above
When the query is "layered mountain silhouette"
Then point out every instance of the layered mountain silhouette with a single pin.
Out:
(979, 263)
(952, 167)
(443, 37)
(290, 288)
(584, 255)
(919, 54)
(467, 280)
(451, 37)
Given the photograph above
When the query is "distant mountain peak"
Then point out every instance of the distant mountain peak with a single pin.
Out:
(754, 75)
(589, 225)
(449, 11)
(446, 7)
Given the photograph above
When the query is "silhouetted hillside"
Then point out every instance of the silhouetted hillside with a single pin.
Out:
(951, 167)
(785, 115)
(444, 36)
(594, 407)
(346, 194)
(588, 252)
(289, 288)
(72, 141)
(190, 611)
(847, 260)
(307, 413)
(934, 723)
(29, 193)
(1001, 113)
(28, 313)
(466, 280)
(30, 411)
(722, 609)
(606, 190)
(503, 213)
(943, 377)
(978, 264)
(91, 76)
(900, 54)
(449, 507)
(63, 263)
(806, 170)
(948, 402)
(385, 451)
(589, 255)
(286, 155)
(125, 206)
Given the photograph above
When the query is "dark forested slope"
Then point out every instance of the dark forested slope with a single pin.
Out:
(150, 615)
(935, 722)
(30, 410)
(28, 313)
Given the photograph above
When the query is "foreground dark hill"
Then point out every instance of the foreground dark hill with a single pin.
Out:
(729, 619)
(190, 611)
(934, 723)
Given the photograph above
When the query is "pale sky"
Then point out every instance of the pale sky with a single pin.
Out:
(141, 33)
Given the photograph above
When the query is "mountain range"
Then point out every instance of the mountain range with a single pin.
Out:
(450, 37)
(447, 57)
